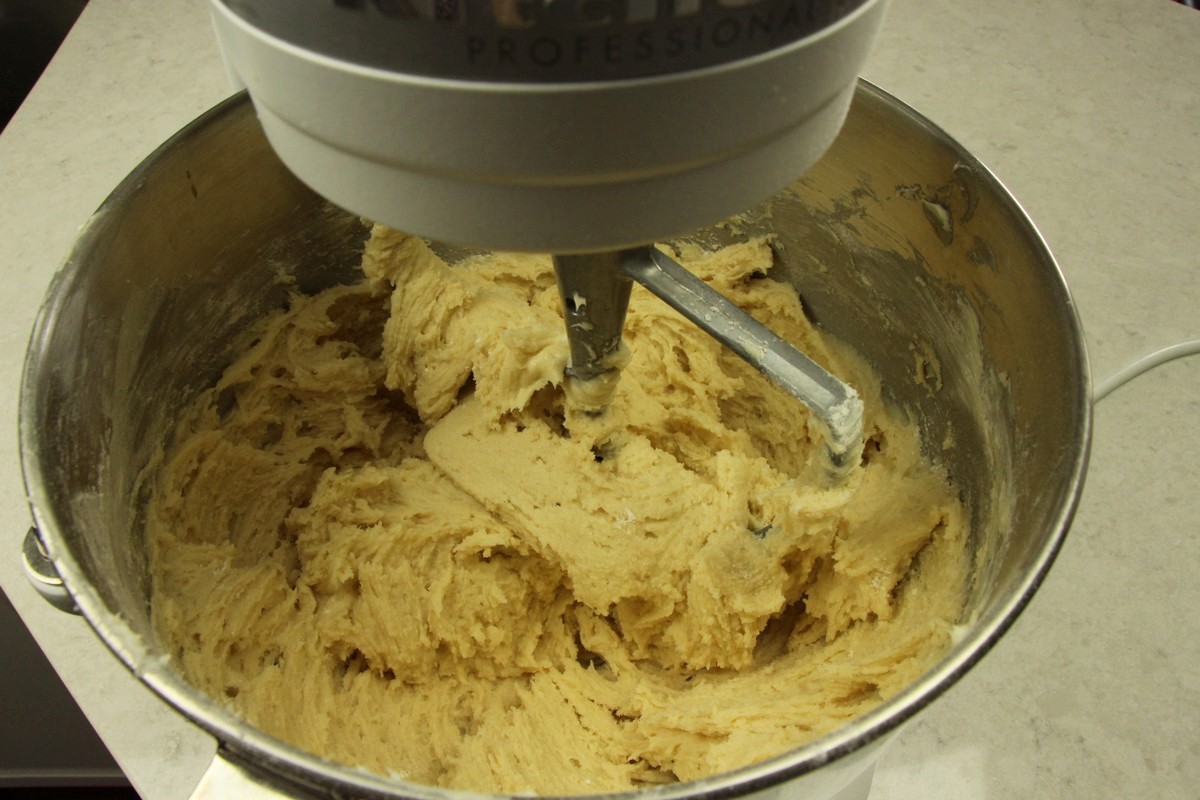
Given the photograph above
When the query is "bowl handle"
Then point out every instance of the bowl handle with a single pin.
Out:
(42, 574)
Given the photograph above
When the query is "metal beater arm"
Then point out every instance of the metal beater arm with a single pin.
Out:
(595, 290)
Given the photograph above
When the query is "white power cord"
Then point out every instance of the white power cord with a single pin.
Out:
(1145, 364)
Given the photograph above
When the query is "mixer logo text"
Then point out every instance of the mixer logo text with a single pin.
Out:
(533, 13)
(601, 39)
(688, 33)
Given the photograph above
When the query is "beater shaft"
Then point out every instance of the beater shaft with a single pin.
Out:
(595, 295)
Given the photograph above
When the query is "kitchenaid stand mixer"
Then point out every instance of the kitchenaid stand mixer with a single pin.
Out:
(185, 256)
(582, 128)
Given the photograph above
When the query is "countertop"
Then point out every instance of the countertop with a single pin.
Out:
(1088, 111)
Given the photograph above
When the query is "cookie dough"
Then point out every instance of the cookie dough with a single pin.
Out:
(385, 537)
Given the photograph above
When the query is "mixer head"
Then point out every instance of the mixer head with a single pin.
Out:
(560, 126)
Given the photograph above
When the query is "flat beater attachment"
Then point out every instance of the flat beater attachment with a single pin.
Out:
(595, 291)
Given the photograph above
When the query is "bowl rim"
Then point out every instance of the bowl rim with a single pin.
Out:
(302, 769)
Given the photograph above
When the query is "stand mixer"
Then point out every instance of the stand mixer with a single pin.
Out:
(584, 128)
(155, 298)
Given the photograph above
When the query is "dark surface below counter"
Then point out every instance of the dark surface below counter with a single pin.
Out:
(30, 33)
(48, 749)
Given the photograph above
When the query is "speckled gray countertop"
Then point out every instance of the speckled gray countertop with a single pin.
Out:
(1088, 111)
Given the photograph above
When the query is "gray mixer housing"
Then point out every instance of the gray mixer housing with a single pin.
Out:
(564, 126)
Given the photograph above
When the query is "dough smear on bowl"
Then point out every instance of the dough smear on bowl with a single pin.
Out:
(383, 538)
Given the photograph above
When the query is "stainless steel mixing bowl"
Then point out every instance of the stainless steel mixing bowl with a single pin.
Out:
(903, 244)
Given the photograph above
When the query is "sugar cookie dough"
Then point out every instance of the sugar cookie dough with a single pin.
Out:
(383, 538)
